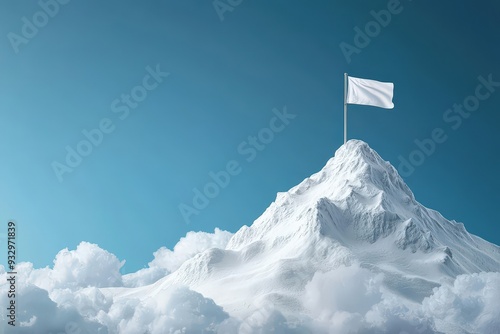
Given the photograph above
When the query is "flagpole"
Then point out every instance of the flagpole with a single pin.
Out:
(345, 108)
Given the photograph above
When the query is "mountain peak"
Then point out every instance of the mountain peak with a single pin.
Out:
(355, 154)
(356, 166)
(353, 185)
(342, 252)
(354, 145)
(355, 210)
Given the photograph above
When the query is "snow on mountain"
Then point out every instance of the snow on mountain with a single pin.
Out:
(348, 250)
(357, 209)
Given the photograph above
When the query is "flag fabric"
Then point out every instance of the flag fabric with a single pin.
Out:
(370, 93)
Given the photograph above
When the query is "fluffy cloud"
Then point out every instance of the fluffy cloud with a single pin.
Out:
(38, 313)
(68, 297)
(88, 311)
(175, 310)
(471, 304)
(350, 289)
(72, 298)
(88, 265)
(190, 245)
(352, 300)
(166, 261)
(266, 319)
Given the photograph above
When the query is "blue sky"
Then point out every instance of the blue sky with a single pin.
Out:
(225, 78)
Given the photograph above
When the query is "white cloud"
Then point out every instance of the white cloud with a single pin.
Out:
(472, 303)
(266, 319)
(37, 313)
(351, 289)
(88, 311)
(352, 300)
(88, 265)
(166, 261)
(175, 310)
(88, 302)
(339, 299)
(190, 245)
(69, 299)
(144, 277)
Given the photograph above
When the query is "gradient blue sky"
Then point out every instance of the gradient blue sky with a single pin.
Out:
(225, 79)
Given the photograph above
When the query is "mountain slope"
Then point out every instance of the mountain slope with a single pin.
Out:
(356, 209)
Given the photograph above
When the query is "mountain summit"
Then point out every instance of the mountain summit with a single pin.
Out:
(348, 250)
(356, 212)
(360, 204)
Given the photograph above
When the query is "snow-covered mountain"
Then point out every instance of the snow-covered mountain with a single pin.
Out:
(348, 250)
(356, 210)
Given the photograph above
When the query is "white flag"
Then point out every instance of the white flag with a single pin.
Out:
(370, 93)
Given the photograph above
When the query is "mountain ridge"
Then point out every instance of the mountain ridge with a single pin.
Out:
(356, 212)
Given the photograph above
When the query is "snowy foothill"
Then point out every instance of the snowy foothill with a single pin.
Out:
(348, 250)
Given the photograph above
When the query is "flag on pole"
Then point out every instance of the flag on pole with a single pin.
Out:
(370, 92)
